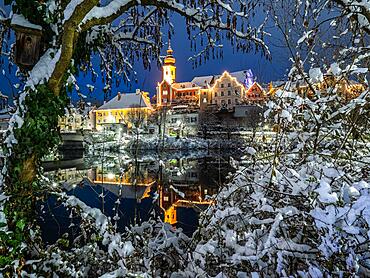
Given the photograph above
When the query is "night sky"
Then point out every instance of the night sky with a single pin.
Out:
(264, 70)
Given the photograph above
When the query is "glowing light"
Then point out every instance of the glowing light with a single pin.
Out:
(111, 119)
(111, 176)
(226, 73)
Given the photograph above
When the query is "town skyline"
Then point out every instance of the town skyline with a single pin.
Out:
(232, 61)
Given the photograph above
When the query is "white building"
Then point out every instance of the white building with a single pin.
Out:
(182, 121)
(130, 110)
(77, 119)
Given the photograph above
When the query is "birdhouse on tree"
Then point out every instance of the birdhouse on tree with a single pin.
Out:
(28, 41)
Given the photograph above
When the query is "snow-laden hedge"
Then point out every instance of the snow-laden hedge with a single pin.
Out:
(302, 211)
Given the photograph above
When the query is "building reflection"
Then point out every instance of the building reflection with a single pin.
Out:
(130, 183)
(179, 183)
(181, 186)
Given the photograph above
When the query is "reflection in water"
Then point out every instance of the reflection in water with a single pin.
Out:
(176, 187)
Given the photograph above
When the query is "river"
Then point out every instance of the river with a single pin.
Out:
(174, 186)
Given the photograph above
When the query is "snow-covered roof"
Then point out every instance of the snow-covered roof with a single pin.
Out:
(20, 20)
(240, 75)
(202, 81)
(183, 85)
(124, 101)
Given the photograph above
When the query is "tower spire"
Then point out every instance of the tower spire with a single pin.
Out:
(169, 44)
(169, 49)
(169, 68)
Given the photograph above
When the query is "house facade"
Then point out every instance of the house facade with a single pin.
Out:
(182, 121)
(129, 110)
(227, 92)
(77, 119)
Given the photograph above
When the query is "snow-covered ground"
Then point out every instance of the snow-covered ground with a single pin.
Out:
(145, 142)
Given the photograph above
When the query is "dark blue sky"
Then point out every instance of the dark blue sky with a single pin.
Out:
(264, 70)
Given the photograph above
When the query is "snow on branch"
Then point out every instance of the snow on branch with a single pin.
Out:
(201, 18)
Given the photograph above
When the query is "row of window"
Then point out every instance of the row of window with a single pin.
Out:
(187, 120)
(222, 93)
(110, 113)
(183, 94)
(172, 73)
(222, 85)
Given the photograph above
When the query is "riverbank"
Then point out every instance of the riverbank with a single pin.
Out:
(167, 143)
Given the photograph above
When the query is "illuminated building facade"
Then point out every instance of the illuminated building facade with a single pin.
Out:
(170, 92)
(123, 109)
(255, 93)
(218, 91)
(227, 91)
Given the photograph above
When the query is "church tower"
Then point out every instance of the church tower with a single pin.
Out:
(169, 69)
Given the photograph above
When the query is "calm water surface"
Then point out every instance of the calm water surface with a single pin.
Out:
(173, 185)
